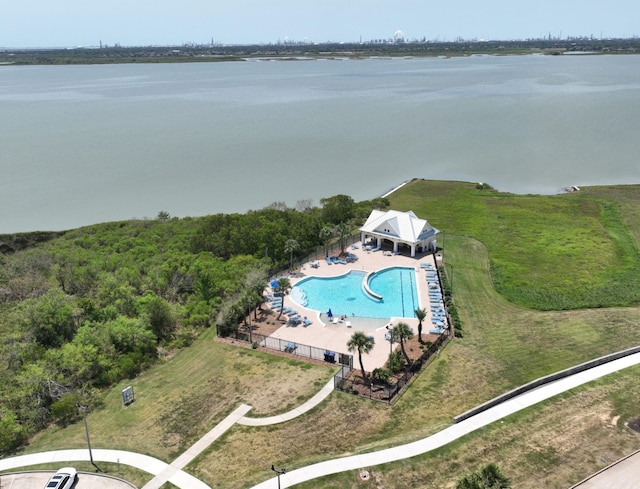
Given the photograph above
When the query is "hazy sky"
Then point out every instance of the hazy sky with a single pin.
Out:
(58, 23)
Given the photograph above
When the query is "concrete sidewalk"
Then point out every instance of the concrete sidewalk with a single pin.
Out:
(174, 474)
(294, 413)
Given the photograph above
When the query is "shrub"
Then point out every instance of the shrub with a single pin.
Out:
(381, 375)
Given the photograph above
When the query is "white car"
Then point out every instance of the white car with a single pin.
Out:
(63, 479)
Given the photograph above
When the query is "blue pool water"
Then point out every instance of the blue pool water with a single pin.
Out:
(345, 294)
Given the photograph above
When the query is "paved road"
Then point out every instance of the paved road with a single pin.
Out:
(37, 480)
(623, 474)
(173, 472)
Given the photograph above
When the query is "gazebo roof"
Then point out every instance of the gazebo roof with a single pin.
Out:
(399, 226)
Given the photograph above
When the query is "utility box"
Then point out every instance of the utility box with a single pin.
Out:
(127, 395)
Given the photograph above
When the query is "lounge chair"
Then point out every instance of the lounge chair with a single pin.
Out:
(307, 322)
(329, 262)
(335, 260)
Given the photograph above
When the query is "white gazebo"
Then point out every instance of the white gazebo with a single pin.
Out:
(399, 227)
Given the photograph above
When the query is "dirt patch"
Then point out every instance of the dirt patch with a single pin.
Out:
(264, 321)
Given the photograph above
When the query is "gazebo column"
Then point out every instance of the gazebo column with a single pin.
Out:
(413, 250)
(395, 246)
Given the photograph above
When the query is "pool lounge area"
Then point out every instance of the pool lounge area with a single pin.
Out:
(322, 332)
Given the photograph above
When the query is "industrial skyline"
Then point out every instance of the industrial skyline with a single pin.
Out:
(46, 23)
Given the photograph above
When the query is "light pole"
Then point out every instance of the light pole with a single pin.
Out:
(279, 472)
(86, 430)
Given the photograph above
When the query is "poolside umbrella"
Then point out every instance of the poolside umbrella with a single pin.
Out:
(274, 284)
(329, 314)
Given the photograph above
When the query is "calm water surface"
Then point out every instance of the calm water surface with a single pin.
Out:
(87, 144)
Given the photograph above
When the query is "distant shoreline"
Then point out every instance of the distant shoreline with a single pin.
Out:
(298, 52)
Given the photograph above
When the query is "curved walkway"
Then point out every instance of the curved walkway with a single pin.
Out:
(294, 413)
(173, 472)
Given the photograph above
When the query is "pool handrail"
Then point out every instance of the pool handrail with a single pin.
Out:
(367, 289)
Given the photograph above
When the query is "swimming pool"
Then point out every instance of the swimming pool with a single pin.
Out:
(345, 295)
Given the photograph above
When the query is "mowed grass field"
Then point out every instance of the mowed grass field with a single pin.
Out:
(541, 283)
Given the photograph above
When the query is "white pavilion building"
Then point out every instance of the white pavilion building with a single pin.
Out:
(399, 228)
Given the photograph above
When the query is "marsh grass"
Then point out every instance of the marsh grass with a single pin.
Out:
(553, 252)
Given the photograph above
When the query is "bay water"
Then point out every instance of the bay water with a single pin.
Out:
(88, 144)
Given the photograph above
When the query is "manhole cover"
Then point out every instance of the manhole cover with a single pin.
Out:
(364, 475)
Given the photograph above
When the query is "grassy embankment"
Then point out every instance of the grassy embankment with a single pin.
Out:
(549, 252)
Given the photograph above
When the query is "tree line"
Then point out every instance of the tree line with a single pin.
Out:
(99, 304)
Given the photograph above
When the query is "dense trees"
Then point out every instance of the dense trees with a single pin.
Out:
(337, 209)
(97, 304)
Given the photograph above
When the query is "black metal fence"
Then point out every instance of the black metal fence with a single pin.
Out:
(386, 392)
(331, 249)
(299, 349)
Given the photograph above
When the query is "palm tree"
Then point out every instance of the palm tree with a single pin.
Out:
(325, 233)
(361, 343)
(284, 285)
(400, 333)
(343, 231)
(290, 246)
(421, 314)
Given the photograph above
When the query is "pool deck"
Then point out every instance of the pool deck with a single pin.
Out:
(324, 334)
